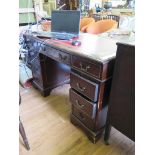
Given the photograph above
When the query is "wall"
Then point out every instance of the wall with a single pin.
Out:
(93, 2)
(49, 6)
(27, 8)
(24, 7)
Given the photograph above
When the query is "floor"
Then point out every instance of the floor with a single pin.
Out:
(49, 131)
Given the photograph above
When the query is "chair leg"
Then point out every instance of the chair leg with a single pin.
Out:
(22, 132)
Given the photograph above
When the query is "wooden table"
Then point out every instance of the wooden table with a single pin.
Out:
(89, 70)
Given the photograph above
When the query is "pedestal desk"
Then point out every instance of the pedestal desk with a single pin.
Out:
(88, 68)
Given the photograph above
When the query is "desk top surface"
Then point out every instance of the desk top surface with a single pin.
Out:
(96, 47)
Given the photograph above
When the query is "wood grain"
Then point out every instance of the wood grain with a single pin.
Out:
(49, 131)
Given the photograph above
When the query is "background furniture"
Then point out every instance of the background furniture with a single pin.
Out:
(60, 3)
(121, 112)
(123, 11)
(69, 4)
(96, 16)
(102, 26)
(113, 17)
(84, 6)
(22, 130)
(89, 69)
(85, 22)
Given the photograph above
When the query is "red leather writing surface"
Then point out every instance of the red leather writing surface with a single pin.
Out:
(63, 42)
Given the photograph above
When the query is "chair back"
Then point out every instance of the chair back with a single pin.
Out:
(85, 22)
(97, 17)
(102, 26)
(113, 17)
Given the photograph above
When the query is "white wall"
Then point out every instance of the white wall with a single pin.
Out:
(93, 2)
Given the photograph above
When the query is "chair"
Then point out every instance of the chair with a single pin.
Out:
(85, 22)
(101, 26)
(113, 17)
(22, 130)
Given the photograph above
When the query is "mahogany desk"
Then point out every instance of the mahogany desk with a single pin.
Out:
(89, 69)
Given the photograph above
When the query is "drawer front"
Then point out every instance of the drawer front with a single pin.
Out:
(84, 86)
(87, 121)
(89, 67)
(57, 55)
(83, 104)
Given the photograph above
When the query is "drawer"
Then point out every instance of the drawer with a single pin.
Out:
(83, 104)
(84, 86)
(89, 67)
(87, 121)
(57, 55)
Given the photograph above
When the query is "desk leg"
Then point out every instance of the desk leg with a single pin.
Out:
(107, 133)
(92, 136)
(46, 93)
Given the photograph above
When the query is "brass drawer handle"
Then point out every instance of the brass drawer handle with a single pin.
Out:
(82, 67)
(79, 105)
(79, 88)
(62, 57)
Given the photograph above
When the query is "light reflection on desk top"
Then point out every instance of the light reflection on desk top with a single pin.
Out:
(95, 47)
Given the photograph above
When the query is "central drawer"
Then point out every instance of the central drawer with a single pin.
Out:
(58, 55)
(84, 86)
(83, 104)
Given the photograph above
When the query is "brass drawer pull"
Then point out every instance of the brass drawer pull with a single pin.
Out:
(82, 67)
(79, 88)
(79, 105)
(62, 57)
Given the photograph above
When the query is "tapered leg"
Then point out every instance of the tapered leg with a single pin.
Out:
(107, 133)
(22, 132)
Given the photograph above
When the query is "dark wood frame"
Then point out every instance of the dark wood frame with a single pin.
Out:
(121, 111)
